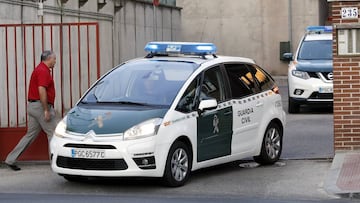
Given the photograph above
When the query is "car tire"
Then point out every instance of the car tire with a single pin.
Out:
(178, 165)
(293, 106)
(271, 147)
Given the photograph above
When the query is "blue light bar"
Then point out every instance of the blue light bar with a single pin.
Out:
(186, 48)
(319, 29)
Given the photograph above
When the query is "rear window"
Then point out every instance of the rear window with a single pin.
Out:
(316, 50)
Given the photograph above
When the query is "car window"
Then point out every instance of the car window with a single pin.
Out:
(145, 82)
(316, 50)
(213, 85)
(264, 79)
(188, 100)
(241, 80)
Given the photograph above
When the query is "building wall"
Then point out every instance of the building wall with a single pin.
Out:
(251, 28)
(346, 84)
(135, 28)
(131, 23)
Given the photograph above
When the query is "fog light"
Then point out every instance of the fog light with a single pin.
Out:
(298, 92)
(147, 162)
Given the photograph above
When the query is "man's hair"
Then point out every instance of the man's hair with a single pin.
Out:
(45, 55)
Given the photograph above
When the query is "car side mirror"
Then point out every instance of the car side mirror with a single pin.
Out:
(207, 104)
(288, 56)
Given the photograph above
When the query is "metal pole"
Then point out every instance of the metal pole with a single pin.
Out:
(155, 22)
(290, 24)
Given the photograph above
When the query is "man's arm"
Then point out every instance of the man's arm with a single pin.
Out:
(44, 102)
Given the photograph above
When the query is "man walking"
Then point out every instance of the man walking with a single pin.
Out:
(41, 114)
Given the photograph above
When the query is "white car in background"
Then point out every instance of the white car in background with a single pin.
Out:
(310, 74)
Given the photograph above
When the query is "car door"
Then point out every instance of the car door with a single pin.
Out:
(247, 106)
(214, 127)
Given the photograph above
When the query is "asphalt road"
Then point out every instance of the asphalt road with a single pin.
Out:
(308, 134)
(286, 181)
(45, 198)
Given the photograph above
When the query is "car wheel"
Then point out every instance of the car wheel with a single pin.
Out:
(293, 106)
(271, 146)
(178, 165)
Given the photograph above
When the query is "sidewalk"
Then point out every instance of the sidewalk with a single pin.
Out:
(344, 175)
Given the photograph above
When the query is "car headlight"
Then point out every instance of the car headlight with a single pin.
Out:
(145, 129)
(60, 129)
(300, 74)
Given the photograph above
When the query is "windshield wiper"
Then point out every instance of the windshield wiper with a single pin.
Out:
(132, 103)
(123, 102)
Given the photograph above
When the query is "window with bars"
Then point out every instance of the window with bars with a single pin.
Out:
(348, 41)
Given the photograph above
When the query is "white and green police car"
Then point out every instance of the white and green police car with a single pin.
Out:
(179, 109)
(310, 74)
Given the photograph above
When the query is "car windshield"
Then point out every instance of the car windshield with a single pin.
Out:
(316, 50)
(141, 83)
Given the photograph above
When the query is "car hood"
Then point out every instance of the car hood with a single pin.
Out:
(315, 65)
(109, 120)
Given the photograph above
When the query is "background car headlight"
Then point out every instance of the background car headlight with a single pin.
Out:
(300, 74)
(144, 129)
(60, 129)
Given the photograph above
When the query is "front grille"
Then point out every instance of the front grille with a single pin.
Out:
(88, 146)
(326, 75)
(317, 95)
(91, 164)
(313, 74)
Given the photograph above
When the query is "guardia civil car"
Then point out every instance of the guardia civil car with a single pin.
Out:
(310, 73)
(179, 109)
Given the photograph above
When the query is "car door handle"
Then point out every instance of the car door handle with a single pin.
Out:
(227, 113)
(259, 104)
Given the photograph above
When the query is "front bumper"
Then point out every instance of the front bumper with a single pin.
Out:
(122, 158)
(313, 90)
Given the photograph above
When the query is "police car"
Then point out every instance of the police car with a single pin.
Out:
(310, 74)
(179, 109)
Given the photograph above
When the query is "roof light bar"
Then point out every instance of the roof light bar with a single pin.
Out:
(319, 29)
(186, 48)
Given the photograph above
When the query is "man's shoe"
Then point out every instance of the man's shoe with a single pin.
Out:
(13, 167)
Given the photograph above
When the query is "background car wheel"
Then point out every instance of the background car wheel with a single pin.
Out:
(271, 146)
(178, 165)
(293, 106)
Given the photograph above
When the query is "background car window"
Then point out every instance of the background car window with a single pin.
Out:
(241, 80)
(316, 50)
(213, 85)
(264, 80)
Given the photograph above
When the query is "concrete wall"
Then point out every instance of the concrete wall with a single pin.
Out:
(250, 28)
(135, 27)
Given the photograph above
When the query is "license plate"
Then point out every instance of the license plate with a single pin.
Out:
(88, 153)
(325, 90)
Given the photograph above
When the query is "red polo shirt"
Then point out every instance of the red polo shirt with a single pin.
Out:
(41, 76)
